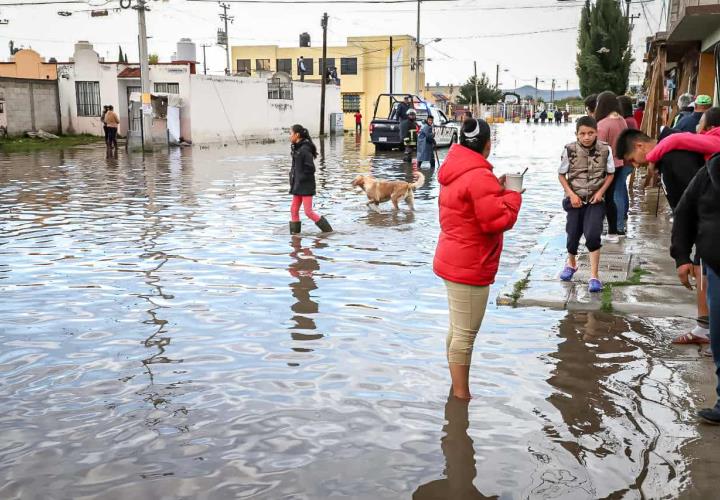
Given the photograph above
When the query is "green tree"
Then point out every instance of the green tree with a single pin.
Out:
(120, 54)
(487, 93)
(605, 54)
(153, 59)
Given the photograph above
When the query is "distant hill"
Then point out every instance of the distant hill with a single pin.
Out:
(529, 90)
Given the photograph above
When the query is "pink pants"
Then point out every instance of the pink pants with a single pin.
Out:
(306, 202)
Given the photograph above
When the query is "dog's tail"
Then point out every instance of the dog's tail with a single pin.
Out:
(420, 182)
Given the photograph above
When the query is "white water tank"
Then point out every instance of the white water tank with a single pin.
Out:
(186, 50)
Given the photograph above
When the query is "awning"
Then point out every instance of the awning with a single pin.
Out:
(699, 22)
(172, 99)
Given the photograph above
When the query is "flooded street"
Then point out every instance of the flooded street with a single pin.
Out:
(162, 336)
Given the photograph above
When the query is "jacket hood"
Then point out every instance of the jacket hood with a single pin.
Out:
(459, 161)
(715, 132)
(713, 166)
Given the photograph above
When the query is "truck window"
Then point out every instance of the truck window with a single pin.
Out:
(442, 119)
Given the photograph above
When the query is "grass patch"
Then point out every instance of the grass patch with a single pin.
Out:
(634, 279)
(518, 290)
(24, 144)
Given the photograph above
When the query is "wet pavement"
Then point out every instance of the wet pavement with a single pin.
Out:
(162, 336)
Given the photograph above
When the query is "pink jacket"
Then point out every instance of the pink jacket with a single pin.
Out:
(706, 143)
(609, 129)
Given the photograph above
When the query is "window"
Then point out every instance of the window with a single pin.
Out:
(330, 64)
(348, 66)
(2, 107)
(243, 66)
(278, 89)
(262, 64)
(285, 65)
(351, 103)
(167, 88)
(87, 95)
(308, 66)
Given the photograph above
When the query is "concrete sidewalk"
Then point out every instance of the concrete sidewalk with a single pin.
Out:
(638, 273)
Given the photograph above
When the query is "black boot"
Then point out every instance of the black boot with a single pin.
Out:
(295, 227)
(324, 225)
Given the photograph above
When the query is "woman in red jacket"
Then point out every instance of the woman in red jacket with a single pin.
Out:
(475, 211)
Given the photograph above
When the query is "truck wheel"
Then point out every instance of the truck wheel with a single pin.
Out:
(454, 138)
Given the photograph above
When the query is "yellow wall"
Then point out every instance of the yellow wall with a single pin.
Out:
(706, 74)
(28, 64)
(373, 63)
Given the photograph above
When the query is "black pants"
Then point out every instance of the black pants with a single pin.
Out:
(586, 220)
(676, 180)
(105, 131)
(112, 137)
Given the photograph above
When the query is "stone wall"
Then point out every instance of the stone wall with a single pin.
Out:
(30, 105)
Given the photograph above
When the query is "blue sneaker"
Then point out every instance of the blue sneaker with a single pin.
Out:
(710, 416)
(567, 273)
(595, 285)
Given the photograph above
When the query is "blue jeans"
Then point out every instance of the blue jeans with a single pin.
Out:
(713, 300)
(620, 195)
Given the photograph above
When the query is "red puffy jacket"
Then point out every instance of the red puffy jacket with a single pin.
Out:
(475, 211)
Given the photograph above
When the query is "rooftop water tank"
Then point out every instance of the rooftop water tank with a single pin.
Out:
(186, 50)
(304, 40)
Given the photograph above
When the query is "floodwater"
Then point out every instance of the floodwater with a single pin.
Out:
(162, 336)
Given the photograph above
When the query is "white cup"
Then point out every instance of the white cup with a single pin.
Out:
(514, 182)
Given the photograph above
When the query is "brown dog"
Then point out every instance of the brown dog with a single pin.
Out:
(379, 191)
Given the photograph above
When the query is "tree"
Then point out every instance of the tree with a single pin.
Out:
(486, 93)
(153, 58)
(126, 60)
(120, 54)
(605, 54)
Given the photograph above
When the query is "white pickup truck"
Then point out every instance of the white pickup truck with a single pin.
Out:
(385, 132)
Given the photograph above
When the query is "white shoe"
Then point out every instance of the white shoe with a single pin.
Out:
(612, 238)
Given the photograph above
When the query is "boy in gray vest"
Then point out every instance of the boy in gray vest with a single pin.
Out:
(586, 172)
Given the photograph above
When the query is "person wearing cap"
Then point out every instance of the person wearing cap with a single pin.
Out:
(475, 210)
(689, 123)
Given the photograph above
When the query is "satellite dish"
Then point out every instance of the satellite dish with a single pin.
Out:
(65, 13)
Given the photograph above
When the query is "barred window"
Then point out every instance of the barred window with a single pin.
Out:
(243, 66)
(348, 65)
(285, 65)
(87, 95)
(167, 88)
(280, 90)
(351, 103)
(329, 63)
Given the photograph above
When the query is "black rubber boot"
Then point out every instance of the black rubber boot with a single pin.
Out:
(324, 225)
(295, 227)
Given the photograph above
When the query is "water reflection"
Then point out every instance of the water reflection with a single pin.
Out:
(303, 266)
(460, 467)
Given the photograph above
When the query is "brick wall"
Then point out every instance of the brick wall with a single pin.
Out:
(30, 105)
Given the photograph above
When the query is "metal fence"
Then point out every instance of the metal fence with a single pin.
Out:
(519, 112)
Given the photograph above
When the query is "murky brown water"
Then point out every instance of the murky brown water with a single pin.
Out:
(161, 336)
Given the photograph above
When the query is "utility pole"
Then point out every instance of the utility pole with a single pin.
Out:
(204, 59)
(146, 118)
(392, 69)
(477, 95)
(417, 54)
(627, 9)
(323, 72)
(536, 88)
(497, 76)
(226, 18)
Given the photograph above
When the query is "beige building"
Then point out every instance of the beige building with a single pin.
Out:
(27, 63)
(362, 68)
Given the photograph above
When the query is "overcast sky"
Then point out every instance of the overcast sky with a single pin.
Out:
(470, 30)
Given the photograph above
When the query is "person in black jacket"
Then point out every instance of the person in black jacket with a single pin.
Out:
(697, 222)
(677, 169)
(302, 180)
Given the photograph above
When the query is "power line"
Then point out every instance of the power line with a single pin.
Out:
(502, 35)
(323, 2)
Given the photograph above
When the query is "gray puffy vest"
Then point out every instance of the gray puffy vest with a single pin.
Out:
(588, 168)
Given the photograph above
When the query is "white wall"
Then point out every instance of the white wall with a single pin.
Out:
(86, 66)
(230, 108)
